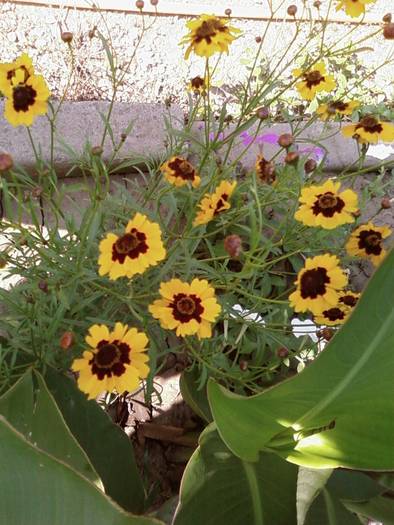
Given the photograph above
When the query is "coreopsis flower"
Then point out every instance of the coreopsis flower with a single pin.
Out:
(265, 170)
(208, 35)
(214, 203)
(313, 81)
(335, 108)
(318, 285)
(197, 85)
(370, 130)
(187, 308)
(179, 171)
(367, 241)
(353, 8)
(326, 206)
(15, 72)
(132, 253)
(27, 100)
(116, 360)
(348, 298)
(332, 316)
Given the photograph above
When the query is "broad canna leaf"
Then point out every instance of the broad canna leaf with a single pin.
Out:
(218, 488)
(338, 411)
(38, 489)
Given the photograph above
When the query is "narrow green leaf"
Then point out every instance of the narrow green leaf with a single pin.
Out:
(107, 446)
(312, 419)
(196, 398)
(37, 489)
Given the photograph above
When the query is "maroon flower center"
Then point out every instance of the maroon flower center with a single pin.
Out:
(132, 245)
(370, 124)
(182, 168)
(370, 241)
(197, 83)
(220, 205)
(334, 314)
(208, 29)
(314, 78)
(328, 204)
(186, 307)
(23, 97)
(110, 359)
(337, 106)
(265, 170)
(313, 283)
(348, 300)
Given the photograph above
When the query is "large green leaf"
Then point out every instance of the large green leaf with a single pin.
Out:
(309, 484)
(107, 446)
(220, 489)
(37, 489)
(338, 411)
(32, 410)
(379, 508)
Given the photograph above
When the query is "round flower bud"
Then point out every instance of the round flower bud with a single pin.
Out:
(263, 113)
(387, 18)
(310, 165)
(67, 37)
(385, 203)
(233, 245)
(243, 364)
(92, 33)
(139, 4)
(154, 2)
(317, 4)
(228, 12)
(97, 151)
(285, 140)
(6, 162)
(282, 352)
(43, 286)
(292, 10)
(388, 31)
(66, 340)
(292, 157)
(258, 39)
(356, 214)
(326, 333)
(37, 192)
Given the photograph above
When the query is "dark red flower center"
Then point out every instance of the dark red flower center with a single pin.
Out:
(334, 314)
(328, 204)
(337, 105)
(197, 83)
(370, 241)
(110, 359)
(208, 29)
(313, 283)
(370, 124)
(349, 300)
(23, 97)
(265, 170)
(220, 205)
(182, 168)
(186, 307)
(131, 245)
(314, 78)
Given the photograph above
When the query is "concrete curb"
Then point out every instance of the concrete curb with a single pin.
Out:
(82, 122)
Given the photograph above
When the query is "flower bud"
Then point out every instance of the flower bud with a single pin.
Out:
(67, 37)
(6, 162)
(282, 352)
(154, 2)
(388, 31)
(43, 286)
(356, 214)
(139, 4)
(97, 151)
(292, 10)
(228, 12)
(310, 165)
(36, 192)
(326, 333)
(317, 4)
(233, 245)
(258, 39)
(385, 203)
(243, 364)
(285, 140)
(92, 32)
(263, 113)
(387, 18)
(3, 262)
(66, 340)
(123, 136)
(292, 157)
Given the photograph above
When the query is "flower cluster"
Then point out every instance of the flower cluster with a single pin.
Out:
(26, 93)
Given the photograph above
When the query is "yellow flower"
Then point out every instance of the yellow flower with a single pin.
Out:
(370, 130)
(318, 285)
(348, 298)
(132, 253)
(366, 241)
(187, 308)
(116, 360)
(265, 170)
(353, 8)
(336, 107)
(208, 35)
(333, 316)
(197, 85)
(214, 203)
(325, 206)
(14, 73)
(179, 171)
(313, 81)
(26, 100)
